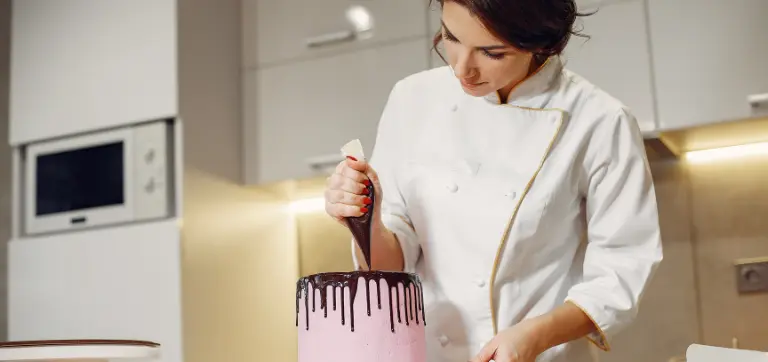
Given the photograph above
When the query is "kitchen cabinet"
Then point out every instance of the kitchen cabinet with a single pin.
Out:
(434, 21)
(81, 65)
(298, 115)
(709, 56)
(616, 57)
(276, 31)
(588, 4)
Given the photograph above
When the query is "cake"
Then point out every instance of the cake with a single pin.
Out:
(360, 316)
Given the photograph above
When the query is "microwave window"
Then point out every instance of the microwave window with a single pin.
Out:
(80, 179)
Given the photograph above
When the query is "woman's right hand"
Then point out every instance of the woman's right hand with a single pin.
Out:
(346, 194)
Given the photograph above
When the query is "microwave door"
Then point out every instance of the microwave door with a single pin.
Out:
(79, 182)
(76, 180)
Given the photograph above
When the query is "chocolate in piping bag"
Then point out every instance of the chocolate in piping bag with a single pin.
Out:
(361, 226)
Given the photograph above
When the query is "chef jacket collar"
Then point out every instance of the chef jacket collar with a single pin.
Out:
(532, 91)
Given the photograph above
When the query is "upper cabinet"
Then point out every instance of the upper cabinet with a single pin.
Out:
(81, 65)
(616, 57)
(298, 115)
(434, 25)
(710, 59)
(275, 31)
(585, 4)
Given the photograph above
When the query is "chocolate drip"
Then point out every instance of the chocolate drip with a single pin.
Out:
(407, 305)
(397, 294)
(413, 299)
(367, 296)
(334, 297)
(361, 227)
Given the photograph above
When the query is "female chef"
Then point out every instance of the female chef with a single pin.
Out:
(517, 190)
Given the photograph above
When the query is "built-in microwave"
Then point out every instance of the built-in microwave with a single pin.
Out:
(104, 178)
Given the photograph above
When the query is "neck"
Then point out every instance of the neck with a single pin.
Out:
(533, 67)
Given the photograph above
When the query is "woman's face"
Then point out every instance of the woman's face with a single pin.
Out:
(483, 63)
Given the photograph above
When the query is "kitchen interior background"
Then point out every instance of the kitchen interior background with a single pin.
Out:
(257, 103)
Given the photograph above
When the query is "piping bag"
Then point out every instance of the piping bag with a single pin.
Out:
(360, 226)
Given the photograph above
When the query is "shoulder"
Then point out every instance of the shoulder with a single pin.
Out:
(592, 108)
(602, 125)
(435, 82)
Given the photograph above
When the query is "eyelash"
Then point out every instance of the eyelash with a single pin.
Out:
(453, 39)
(493, 56)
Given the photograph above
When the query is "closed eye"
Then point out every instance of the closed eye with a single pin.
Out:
(448, 36)
(486, 50)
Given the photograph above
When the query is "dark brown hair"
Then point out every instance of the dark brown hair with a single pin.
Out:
(542, 27)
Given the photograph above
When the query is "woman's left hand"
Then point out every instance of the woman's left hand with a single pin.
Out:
(519, 343)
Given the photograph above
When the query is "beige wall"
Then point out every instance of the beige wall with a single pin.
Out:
(239, 244)
(711, 214)
(729, 210)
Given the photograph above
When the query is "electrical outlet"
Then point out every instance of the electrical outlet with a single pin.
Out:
(752, 275)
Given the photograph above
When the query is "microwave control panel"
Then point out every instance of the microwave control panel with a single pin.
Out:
(152, 185)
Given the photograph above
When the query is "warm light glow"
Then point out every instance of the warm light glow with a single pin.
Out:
(727, 152)
(307, 205)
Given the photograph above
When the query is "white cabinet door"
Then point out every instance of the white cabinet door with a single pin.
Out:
(304, 112)
(709, 56)
(279, 30)
(80, 65)
(434, 19)
(616, 57)
(583, 5)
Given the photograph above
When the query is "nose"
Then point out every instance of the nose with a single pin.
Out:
(464, 69)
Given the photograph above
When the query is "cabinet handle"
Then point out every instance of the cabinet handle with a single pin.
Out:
(757, 100)
(331, 38)
(325, 163)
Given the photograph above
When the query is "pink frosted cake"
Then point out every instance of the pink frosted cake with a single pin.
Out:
(360, 316)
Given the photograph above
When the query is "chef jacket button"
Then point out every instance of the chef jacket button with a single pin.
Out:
(480, 283)
(452, 187)
(443, 340)
(454, 108)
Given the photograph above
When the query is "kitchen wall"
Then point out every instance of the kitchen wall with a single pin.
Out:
(711, 214)
(239, 246)
(5, 162)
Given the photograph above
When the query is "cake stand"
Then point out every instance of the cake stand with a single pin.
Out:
(79, 350)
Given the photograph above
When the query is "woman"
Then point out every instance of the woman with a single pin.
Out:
(518, 191)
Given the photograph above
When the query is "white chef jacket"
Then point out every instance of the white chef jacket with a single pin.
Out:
(506, 211)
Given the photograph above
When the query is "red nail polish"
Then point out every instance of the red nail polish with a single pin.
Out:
(351, 158)
(367, 200)
(365, 191)
(366, 183)
(363, 210)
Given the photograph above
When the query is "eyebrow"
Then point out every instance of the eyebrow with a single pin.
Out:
(489, 47)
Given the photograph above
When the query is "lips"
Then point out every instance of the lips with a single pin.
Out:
(471, 85)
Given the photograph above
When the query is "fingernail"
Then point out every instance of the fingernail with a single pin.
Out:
(365, 191)
(363, 210)
(366, 183)
(351, 158)
(367, 200)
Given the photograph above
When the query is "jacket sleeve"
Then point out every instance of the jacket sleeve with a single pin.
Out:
(623, 237)
(387, 159)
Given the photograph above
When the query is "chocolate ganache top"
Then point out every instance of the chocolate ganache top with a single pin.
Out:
(411, 285)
